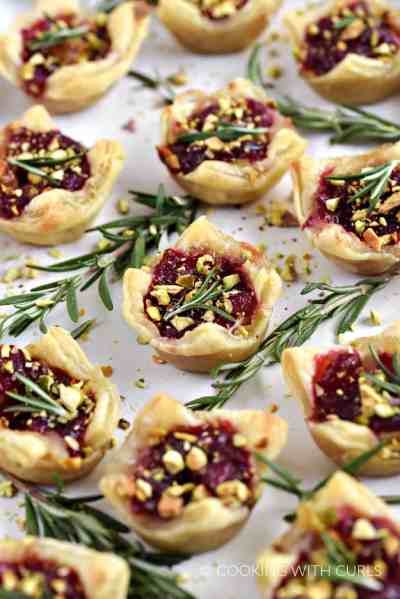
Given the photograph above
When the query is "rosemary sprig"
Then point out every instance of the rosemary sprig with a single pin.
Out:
(35, 400)
(224, 131)
(210, 290)
(286, 481)
(156, 82)
(128, 241)
(375, 181)
(391, 383)
(347, 124)
(346, 302)
(4, 594)
(30, 168)
(75, 520)
(49, 39)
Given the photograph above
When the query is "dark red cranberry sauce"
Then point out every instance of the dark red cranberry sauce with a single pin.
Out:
(378, 227)
(38, 578)
(245, 112)
(179, 276)
(352, 30)
(70, 169)
(41, 60)
(219, 10)
(192, 463)
(373, 547)
(71, 429)
(340, 388)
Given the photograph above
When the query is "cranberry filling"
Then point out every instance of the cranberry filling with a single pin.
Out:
(379, 556)
(34, 577)
(333, 207)
(180, 270)
(352, 30)
(72, 431)
(18, 187)
(337, 391)
(41, 63)
(185, 158)
(224, 459)
(220, 10)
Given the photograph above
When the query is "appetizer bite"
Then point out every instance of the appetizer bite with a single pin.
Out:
(205, 301)
(348, 50)
(349, 208)
(230, 147)
(187, 481)
(219, 26)
(57, 411)
(344, 544)
(41, 568)
(68, 59)
(351, 397)
(51, 186)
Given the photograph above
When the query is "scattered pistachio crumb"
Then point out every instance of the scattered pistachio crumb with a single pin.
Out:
(375, 318)
(140, 383)
(8, 489)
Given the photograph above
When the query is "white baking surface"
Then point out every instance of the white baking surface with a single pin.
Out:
(229, 570)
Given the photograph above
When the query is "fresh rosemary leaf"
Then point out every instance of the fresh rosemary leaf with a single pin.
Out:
(108, 5)
(340, 574)
(82, 329)
(72, 304)
(4, 594)
(31, 520)
(168, 215)
(282, 474)
(104, 291)
(337, 551)
(33, 170)
(49, 39)
(391, 499)
(37, 401)
(158, 83)
(224, 131)
(345, 302)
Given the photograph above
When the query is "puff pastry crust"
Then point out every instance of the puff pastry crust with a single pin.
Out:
(36, 456)
(365, 253)
(339, 438)
(208, 344)
(356, 79)
(102, 575)
(341, 496)
(59, 215)
(76, 86)
(198, 33)
(236, 181)
(208, 521)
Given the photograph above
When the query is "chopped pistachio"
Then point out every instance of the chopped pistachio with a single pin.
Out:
(230, 281)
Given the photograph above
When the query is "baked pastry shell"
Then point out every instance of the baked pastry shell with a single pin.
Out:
(218, 182)
(209, 344)
(103, 575)
(74, 87)
(344, 248)
(37, 457)
(61, 216)
(357, 79)
(206, 524)
(205, 36)
(341, 490)
(342, 440)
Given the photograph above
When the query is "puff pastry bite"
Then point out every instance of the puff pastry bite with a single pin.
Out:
(343, 532)
(187, 481)
(253, 145)
(51, 186)
(351, 397)
(57, 411)
(68, 59)
(348, 50)
(205, 301)
(217, 27)
(356, 226)
(41, 568)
